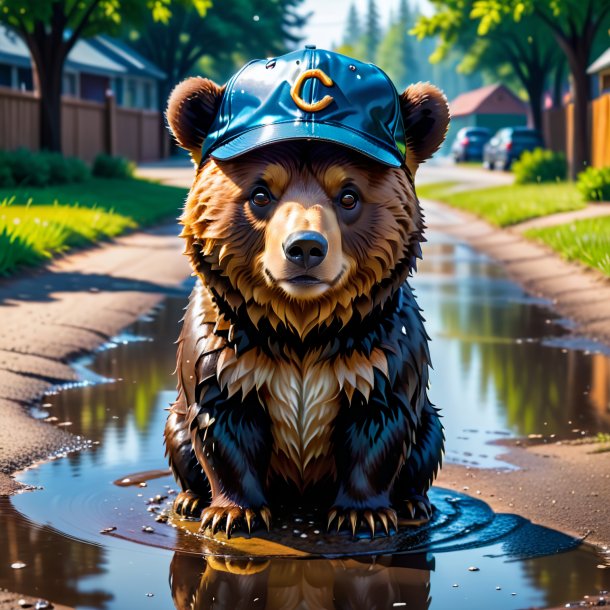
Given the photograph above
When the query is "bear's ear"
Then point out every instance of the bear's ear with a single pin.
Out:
(425, 115)
(191, 109)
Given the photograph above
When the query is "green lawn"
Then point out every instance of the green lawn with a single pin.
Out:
(508, 205)
(38, 223)
(586, 241)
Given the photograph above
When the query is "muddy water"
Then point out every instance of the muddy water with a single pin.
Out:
(503, 367)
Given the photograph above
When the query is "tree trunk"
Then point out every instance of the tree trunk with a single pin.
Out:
(558, 86)
(577, 51)
(49, 70)
(535, 92)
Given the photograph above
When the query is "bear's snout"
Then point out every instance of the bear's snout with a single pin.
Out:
(306, 249)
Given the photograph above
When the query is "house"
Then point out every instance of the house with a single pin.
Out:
(93, 67)
(600, 110)
(601, 68)
(494, 107)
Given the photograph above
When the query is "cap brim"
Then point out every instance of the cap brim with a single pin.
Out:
(306, 130)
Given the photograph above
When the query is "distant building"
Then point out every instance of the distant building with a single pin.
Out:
(494, 107)
(601, 68)
(93, 67)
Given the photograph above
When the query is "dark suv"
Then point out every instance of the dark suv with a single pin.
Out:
(469, 142)
(508, 144)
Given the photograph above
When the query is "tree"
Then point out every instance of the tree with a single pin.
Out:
(395, 54)
(231, 33)
(51, 28)
(529, 54)
(353, 31)
(577, 26)
(372, 32)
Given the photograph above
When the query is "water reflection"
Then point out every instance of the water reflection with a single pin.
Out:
(55, 566)
(491, 341)
(495, 372)
(198, 583)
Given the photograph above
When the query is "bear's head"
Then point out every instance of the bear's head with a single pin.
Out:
(303, 234)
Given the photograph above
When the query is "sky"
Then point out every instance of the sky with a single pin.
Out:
(327, 25)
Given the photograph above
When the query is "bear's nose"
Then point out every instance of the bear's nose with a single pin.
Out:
(305, 248)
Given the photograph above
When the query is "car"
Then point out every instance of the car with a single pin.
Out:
(468, 143)
(507, 145)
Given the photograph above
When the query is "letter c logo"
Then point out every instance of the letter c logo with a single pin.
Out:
(295, 91)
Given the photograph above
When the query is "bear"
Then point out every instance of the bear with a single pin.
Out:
(302, 361)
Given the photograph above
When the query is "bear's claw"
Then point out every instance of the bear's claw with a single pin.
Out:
(385, 516)
(419, 507)
(213, 516)
(186, 504)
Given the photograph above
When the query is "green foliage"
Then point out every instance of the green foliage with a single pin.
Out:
(107, 166)
(23, 167)
(27, 168)
(586, 241)
(540, 165)
(65, 169)
(231, 34)
(6, 175)
(594, 184)
(507, 205)
(31, 235)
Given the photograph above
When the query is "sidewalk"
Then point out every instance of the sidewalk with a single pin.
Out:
(73, 306)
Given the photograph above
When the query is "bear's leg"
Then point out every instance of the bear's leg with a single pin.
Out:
(370, 440)
(234, 449)
(410, 493)
(187, 470)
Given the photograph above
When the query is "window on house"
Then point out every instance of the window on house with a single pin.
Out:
(605, 81)
(131, 93)
(68, 86)
(147, 89)
(118, 91)
(24, 79)
(5, 75)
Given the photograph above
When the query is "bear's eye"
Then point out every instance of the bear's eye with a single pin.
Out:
(349, 199)
(260, 196)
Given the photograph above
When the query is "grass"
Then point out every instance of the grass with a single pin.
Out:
(508, 205)
(39, 223)
(586, 241)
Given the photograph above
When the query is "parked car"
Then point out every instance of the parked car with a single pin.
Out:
(507, 145)
(468, 143)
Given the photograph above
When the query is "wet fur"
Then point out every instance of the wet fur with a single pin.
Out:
(325, 396)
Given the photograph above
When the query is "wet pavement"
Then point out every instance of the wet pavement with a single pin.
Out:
(504, 367)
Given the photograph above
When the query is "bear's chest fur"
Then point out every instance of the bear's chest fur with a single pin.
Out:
(303, 397)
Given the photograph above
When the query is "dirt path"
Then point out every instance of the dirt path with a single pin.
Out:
(72, 307)
(576, 292)
(593, 210)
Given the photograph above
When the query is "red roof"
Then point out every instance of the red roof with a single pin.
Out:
(493, 99)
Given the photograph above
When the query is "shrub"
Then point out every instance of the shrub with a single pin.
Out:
(28, 168)
(594, 184)
(107, 166)
(65, 169)
(6, 175)
(540, 165)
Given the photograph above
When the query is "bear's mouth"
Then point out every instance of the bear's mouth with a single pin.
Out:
(305, 280)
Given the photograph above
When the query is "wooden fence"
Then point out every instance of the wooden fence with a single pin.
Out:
(558, 130)
(88, 128)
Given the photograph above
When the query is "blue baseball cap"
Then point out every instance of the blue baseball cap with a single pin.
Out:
(309, 94)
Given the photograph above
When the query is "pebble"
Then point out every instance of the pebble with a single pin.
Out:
(43, 604)
(17, 565)
(107, 530)
(148, 529)
(473, 569)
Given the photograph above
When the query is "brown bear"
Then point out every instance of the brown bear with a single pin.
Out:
(303, 361)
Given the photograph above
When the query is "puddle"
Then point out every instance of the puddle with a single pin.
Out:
(502, 369)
